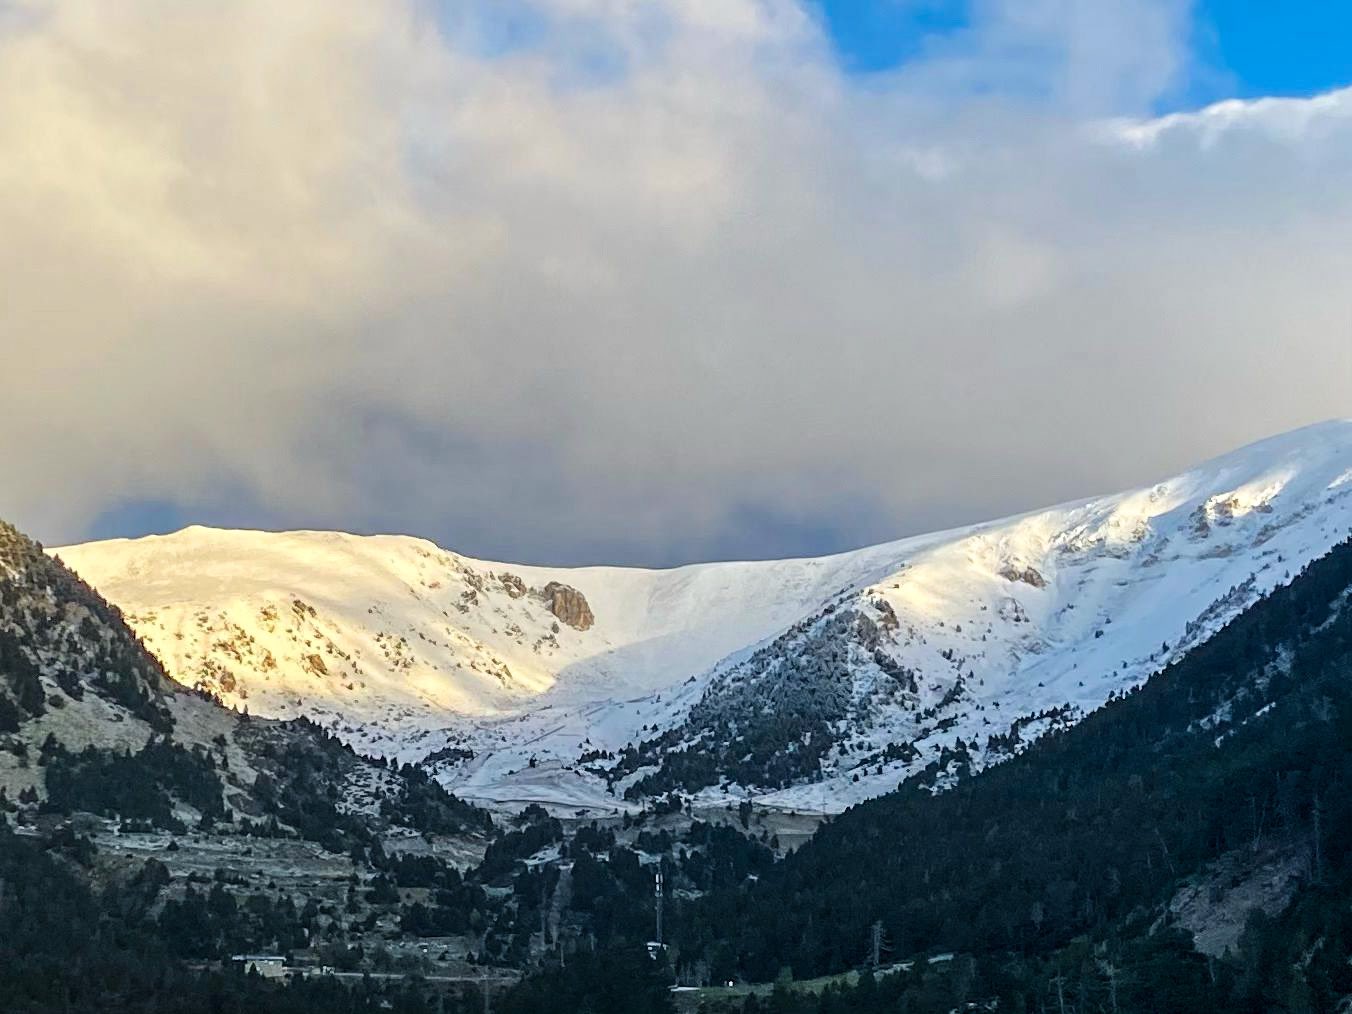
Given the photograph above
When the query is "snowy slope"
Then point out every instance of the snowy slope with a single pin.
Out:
(406, 648)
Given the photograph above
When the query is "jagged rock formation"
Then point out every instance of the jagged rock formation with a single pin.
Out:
(568, 604)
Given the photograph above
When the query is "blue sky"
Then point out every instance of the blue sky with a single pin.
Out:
(1243, 48)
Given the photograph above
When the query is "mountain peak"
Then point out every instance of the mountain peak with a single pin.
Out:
(403, 647)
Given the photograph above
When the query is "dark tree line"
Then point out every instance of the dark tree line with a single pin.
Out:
(135, 786)
(65, 947)
(1046, 876)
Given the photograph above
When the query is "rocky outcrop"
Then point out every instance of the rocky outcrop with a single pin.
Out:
(1216, 905)
(1027, 575)
(512, 585)
(568, 604)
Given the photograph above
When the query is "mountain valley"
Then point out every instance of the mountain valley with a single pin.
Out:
(1100, 747)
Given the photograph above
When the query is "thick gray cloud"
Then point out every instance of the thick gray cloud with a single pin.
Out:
(640, 282)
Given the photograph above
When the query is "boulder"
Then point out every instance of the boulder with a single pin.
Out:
(512, 585)
(568, 604)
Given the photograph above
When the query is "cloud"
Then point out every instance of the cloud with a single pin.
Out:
(606, 280)
(1085, 57)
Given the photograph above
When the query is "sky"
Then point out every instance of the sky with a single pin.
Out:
(581, 281)
(1240, 48)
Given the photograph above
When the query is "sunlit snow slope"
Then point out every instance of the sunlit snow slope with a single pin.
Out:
(406, 648)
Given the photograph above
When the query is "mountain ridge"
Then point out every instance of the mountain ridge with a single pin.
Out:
(1007, 626)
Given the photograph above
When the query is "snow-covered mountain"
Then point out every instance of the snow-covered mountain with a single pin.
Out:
(112, 736)
(810, 683)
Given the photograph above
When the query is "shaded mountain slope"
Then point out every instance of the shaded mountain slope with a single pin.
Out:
(1241, 748)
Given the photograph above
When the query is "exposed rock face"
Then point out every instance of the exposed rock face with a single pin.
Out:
(887, 616)
(568, 604)
(1028, 575)
(1216, 907)
(513, 585)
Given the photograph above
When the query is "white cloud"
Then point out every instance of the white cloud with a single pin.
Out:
(1084, 55)
(642, 274)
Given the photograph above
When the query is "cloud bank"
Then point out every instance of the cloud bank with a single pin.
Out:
(602, 280)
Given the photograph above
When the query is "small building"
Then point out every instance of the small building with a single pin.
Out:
(269, 966)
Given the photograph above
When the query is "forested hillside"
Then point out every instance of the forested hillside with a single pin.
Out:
(147, 833)
(65, 947)
(1096, 870)
(1056, 881)
(1059, 865)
